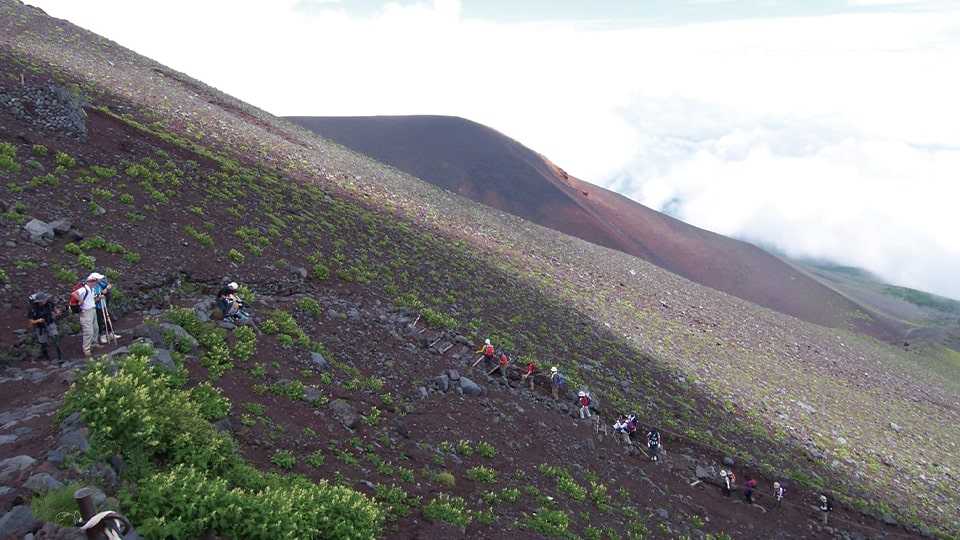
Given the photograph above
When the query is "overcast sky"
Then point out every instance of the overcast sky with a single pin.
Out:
(829, 128)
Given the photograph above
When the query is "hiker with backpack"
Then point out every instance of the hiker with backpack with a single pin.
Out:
(654, 444)
(726, 481)
(583, 399)
(748, 488)
(488, 353)
(632, 426)
(43, 318)
(502, 364)
(104, 324)
(231, 305)
(622, 426)
(556, 381)
(83, 301)
(528, 374)
(826, 506)
(778, 492)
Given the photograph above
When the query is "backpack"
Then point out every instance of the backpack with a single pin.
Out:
(504, 360)
(75, 300)
(488, 350)
(558, 379)
(585, 401)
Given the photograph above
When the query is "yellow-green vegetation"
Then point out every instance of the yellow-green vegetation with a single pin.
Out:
(448, 508)
(189, 478)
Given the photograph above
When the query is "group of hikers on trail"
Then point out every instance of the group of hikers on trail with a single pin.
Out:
(89, 300)
(627, 426)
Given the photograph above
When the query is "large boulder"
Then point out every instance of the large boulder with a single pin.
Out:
(163, 359)
(42, 483)
(469, 387)
(18, 522)
(319, 362)
(39, 232)
(61, 226)
(171, 335)
(12, 467)
(344, 413)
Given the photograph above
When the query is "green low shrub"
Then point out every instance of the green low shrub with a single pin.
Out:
(550, 523)
(449, 509)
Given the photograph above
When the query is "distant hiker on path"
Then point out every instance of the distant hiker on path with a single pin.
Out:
(653, 443)
(487, 351)
(104, 326)
(826, 506)
(231, 305)
(43, 319)
(748, 488)
(726, 482)
(778, 492)
(83, 301)
(622, 426)
(556, 381)
(583, 399)
(528, 374)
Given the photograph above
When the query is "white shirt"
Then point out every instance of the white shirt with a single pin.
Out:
(88, 300)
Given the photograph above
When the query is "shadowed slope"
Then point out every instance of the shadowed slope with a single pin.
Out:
(488, 167)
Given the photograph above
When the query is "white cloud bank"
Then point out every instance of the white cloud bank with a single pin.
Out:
(834, 136)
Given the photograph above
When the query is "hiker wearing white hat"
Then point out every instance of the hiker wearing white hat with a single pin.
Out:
(583, 398)
(231, 305)
(83, 301)
(556, 381)
(778, 492)
(102, 290)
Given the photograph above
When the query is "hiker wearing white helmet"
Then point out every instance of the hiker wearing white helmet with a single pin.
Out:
(778, 492)
(583, 398)
(825, 506)
(556, 381)
(486, 352)
(725, 482)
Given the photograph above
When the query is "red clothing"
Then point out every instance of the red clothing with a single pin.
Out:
(504, 360)
(584, 401)
(531, 367)
(488, 351)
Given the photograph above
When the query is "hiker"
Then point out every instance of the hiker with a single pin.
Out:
(488, 353)
(104, 326)
(502, 364)
(583, 398)
(528, 374)
(826, 506)
(726, 481)
(778, 492)
(83, 301)
(556, 381)
(43, 319)
(653, 443)
(622, 426)
(632, 426)
(748, 488)
(231, 305)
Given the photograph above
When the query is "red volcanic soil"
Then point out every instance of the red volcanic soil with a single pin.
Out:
(489, 167)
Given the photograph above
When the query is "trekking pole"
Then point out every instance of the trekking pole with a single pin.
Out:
(477, 362)
(109, 322)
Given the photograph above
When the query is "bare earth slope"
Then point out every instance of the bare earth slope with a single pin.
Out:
(489, 167)
(179, 185)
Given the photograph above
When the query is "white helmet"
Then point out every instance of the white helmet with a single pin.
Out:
(554, 369)
(233, 286)
(581, 393)
(776, 485)
(723, 472)
(486, 341)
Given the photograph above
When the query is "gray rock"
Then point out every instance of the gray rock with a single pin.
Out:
(895, 427)
(223, 425)
(39, 232)
(171, 335)
(469, 387)
(116, 461)
(704, 472)
(443, 383)
(18, 522)
(453, 374)
(12, 467)
(728, 461)
(10, 244)
(61, 226)
(227, 325)
(888, 519)
(7, 439)
(663, 514)
(102, 474)
(298, 271)
(422, 392)
(204, 309)
(52, 531)
(344, 413)
(353, 314)
(42, 483)
(4, 490)
(312, 394)
(162, 359)
(73, 440)
(319, 362)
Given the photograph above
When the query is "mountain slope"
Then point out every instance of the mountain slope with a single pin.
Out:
(178, 186)
(486, 166)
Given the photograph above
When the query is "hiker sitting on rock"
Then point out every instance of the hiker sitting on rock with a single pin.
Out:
(43, 319)
(231, 305)
(487, 356)
(529, 373)
(583, 400)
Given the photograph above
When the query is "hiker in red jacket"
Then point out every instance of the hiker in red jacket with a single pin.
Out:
(748, 488)
(584, 399)
(528, 374)
(486, 353)
(502, 364)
